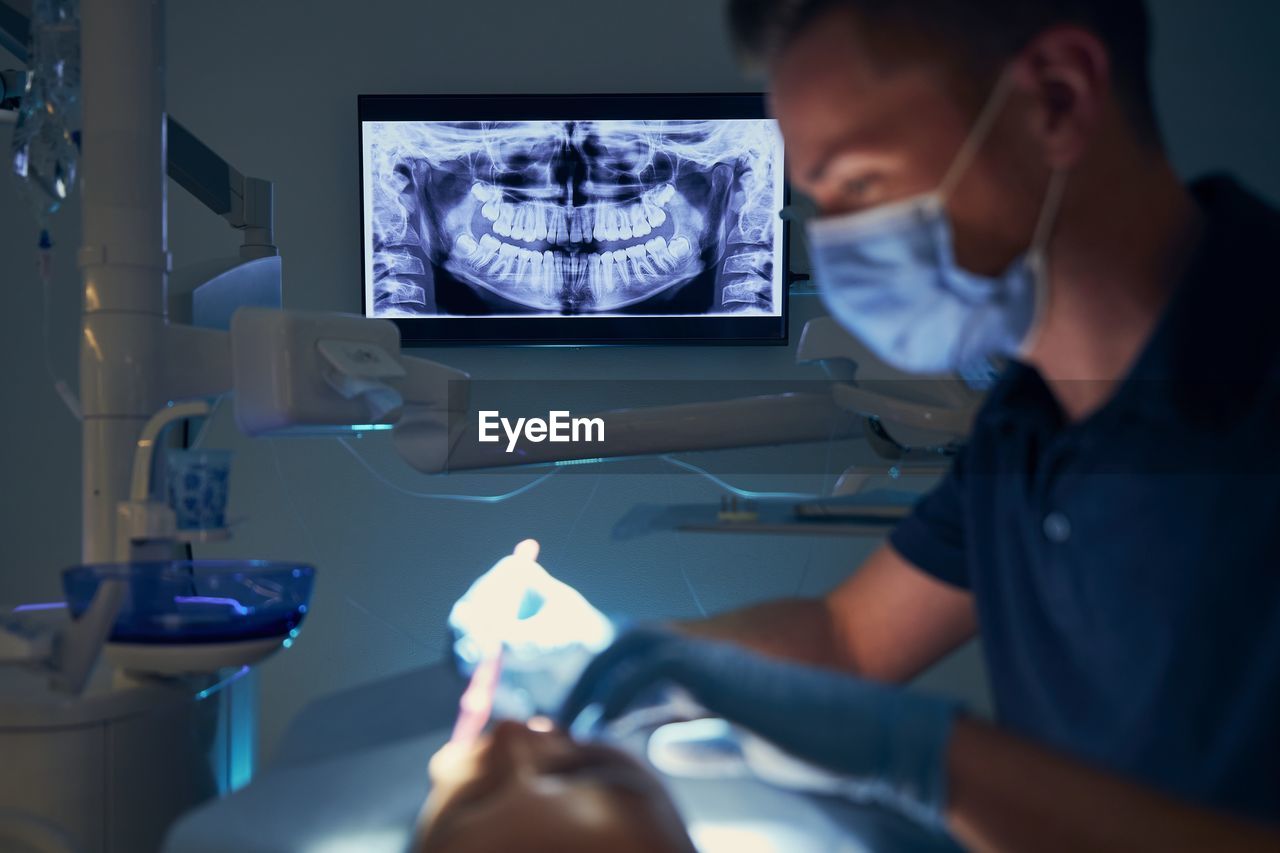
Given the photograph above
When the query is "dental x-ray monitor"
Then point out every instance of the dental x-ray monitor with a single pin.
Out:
(574, 219)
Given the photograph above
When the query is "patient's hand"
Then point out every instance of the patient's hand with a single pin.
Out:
(526, 790)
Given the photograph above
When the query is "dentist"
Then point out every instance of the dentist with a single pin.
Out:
(992, 186)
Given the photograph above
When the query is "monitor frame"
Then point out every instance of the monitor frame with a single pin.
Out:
(585, 330)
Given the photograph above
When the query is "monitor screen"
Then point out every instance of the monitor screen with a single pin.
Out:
(574, 219)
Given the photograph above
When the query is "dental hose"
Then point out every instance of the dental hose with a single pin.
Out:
(45, 268)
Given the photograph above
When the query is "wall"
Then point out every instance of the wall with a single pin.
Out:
(272, 87)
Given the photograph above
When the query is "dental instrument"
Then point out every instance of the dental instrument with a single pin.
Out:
(476, 704)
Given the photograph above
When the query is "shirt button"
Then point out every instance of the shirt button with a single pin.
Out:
(1057, 528)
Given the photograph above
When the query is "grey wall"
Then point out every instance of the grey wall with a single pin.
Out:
(272, 87)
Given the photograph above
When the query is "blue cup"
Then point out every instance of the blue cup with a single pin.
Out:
(197, 487)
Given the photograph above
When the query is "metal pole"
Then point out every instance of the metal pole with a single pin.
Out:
(125, 258)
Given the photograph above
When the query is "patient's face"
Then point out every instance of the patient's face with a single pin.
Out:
(519, 789)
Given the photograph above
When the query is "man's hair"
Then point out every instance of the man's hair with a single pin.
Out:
(976, 36)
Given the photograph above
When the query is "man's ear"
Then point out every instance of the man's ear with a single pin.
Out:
(1065, 72)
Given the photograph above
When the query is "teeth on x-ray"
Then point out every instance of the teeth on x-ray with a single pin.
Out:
(537, 222)
(581, 217)
(602, 274)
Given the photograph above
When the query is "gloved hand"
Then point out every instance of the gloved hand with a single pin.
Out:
(890, 743)
(544, 629)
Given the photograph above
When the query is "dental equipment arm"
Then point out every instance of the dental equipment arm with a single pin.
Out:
(15, 32)
(935, 416)
(246, 203)
(751, 422)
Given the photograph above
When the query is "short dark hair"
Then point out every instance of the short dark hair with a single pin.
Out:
(979, 35)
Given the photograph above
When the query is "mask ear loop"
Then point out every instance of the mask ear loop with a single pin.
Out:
(1038, 256)
(1049, 212)
(977, 137)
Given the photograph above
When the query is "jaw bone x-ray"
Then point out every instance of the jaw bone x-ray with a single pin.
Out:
(573, 218)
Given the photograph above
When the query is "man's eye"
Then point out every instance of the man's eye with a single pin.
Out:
(860, 188)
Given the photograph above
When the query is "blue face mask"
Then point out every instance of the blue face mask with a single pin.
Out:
(890, 276)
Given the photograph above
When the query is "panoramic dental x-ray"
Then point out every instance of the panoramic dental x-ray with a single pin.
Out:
(566, 218)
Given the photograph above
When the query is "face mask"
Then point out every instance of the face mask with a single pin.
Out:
(890, 276)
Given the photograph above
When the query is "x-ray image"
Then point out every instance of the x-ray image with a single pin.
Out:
(616, 218)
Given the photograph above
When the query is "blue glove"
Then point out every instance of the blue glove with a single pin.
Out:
(892, 743)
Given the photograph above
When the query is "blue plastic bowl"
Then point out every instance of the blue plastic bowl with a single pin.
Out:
(202, 601)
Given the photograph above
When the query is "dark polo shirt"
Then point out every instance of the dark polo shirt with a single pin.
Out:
(1126, 568)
